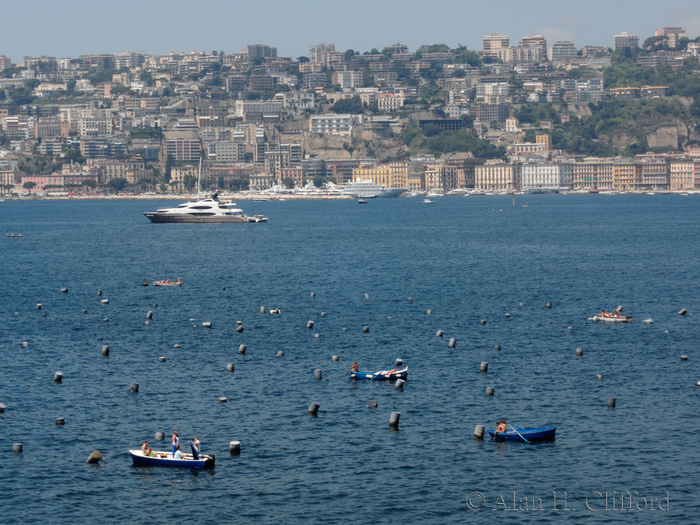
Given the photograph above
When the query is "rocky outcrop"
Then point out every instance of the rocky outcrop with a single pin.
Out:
(672, 135)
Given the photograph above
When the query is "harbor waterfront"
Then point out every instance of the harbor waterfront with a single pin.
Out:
(464, 263)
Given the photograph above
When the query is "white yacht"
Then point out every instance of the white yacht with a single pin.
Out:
(368, 189)
(208, 209)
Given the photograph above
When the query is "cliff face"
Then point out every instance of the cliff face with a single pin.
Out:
(668, 135)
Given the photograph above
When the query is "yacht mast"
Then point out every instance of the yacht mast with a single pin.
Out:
(199, 176)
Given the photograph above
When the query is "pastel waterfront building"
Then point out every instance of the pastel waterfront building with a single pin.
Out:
(593, 174)
(498, 176)
(680, 174)
(547, 176)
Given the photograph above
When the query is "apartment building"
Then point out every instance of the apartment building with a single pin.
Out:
(498, 176)
(535, 41)
(224, 152)
(99, 62)
(564, 51)
(522, 54)
(387, 102)
(349, 79)
(625, 40)
(326, 55)
(673, 34)
(261, 51)
(183, 149)
(493, 43)
(332, 124)
(547, 177)
(681, 174)
(626, 175)
(592, 174)
(391, 175)
(251, 110)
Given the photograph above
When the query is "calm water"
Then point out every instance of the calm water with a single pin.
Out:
(467, 259)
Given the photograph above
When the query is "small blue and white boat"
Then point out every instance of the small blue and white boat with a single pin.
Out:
(165, 459)
(525, 434)
(388, 374)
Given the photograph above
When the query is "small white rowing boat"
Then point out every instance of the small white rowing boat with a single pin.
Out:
(611, 319)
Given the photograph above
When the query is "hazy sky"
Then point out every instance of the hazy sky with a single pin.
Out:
(69, 28)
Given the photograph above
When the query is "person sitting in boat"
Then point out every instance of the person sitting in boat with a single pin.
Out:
(178, 454)
(389, 372)
(500, 428)
(179, 280)
(617, 313)
(354, 367)
(604, 314)
(168, 281)
(146, 452)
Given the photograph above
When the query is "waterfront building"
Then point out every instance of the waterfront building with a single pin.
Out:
(626, 175)
(592, 174)
(392, 175)
(681, 174)
(547, 177)
(496, 175)
(653, 171)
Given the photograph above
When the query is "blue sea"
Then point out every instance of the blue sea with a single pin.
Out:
(465, 259)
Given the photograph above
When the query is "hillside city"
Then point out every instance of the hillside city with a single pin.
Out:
(535, 117)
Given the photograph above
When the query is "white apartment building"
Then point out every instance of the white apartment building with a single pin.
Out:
(265, 108)
(625, 40)
(387, 102)
(332, 124)
(492, 92)
(562, 52)
(97, 126)
(547, 176)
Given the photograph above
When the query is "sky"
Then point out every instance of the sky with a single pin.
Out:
(70, 28)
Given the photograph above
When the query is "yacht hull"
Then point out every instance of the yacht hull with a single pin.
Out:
(185, 218)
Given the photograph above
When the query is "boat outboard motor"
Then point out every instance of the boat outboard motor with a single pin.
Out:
(195, 452)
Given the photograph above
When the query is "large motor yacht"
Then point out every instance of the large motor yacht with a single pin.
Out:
(208, 209)
(363, 188)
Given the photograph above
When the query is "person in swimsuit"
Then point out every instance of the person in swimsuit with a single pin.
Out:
(176, 441)
(500, 428)
(354, 367)
(146, 452)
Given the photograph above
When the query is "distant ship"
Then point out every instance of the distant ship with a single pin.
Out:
(362, 188)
